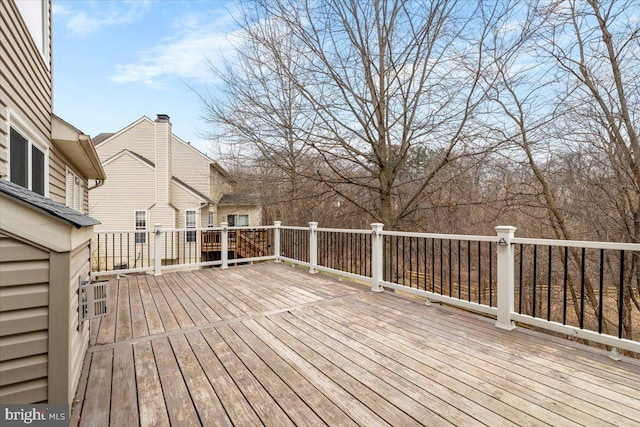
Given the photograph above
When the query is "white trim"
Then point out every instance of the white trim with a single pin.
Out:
(131, 154)
(194, 228)
(46, 33)
(576, 332)
(20, 125)
(226, 219)
(81, 188)
(577, 244)
(139, 230)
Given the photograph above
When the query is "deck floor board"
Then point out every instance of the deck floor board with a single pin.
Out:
(272, 345)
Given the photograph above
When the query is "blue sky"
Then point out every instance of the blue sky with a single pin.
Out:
(116, 61)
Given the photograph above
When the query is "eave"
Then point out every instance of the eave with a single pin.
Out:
(78, 148)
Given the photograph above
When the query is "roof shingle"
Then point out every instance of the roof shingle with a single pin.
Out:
(240, 199)
(56, 209)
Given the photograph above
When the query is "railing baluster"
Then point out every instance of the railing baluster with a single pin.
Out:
(469, 270)
(459, 270)
(535, 277)
(490, 274)
(450, 273)
(520, 284)
(549, 283)
(410, 262)
(621, 295)
(479, 272)
(441, 268)
(582, 279)
(433, 265)
(565, 282)
(600, 291)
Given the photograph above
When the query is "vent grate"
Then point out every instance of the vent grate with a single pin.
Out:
(94, 300)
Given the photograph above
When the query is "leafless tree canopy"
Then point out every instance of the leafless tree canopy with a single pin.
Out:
(438, 115)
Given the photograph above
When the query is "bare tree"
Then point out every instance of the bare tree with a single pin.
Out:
(367, 85)
(568, 87)
(261, 117)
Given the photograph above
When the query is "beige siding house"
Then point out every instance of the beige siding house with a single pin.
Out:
(157, 178)
(45, 167)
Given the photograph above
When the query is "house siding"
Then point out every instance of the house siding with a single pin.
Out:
(254, 212)
(182, 201)
(111, 203)
(25, 78)
(80, 261)
(57, 172)
(24, 291)
(219, 185)
(190, 166)
(138, 138)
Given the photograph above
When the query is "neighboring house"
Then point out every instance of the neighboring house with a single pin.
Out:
(45, 165)
(157, 178)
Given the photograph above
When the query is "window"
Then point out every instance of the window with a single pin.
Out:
(27, 163)
(141, 224)
(211, 220)
(190, 222)
(36, 17)
(75, 191)
(238, 220)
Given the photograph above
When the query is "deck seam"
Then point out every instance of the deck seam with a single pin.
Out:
(96, 348)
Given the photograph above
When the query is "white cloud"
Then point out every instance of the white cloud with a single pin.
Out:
(98, 15)
(184, 55)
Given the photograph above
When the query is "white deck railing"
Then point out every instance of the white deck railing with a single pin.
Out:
(579, 288)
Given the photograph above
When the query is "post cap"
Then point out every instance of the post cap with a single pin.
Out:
(505, 229)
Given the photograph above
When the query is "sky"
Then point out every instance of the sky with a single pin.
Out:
(116, 61)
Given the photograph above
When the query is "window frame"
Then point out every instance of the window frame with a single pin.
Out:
(140, 238)
(211, 219)
(235, 219)
(190, 236)
(17, 125)
(79, 186)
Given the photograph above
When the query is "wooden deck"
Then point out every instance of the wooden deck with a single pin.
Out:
(272, 345)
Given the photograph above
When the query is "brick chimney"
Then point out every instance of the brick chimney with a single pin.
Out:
(163, 159)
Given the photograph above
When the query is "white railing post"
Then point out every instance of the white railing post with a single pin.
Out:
(376, 257)
(276, 240)
(505, 267)
(224, 244)
(157, 262)
(313, 247)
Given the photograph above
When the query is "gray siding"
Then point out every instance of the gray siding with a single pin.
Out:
(25, 78)
(24, 292)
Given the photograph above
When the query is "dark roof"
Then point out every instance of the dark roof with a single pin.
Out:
(101, 137)
(190, 188)
(240, 199)
(47, 205)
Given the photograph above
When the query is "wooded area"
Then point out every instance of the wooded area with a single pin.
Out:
(439, 116)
